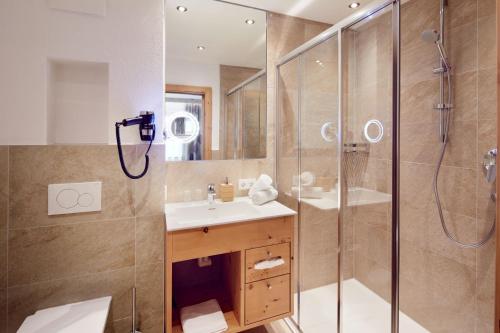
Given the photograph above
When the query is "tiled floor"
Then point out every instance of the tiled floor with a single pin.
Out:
(364, 311)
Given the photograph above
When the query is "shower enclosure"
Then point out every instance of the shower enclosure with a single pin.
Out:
(245, 119)
(358, 142)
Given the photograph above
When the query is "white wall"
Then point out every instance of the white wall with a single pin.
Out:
(129, 38)
(179, 71)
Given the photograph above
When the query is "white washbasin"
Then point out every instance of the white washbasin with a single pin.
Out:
(204, 211)
(188, 215)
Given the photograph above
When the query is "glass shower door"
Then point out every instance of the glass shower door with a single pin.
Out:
(287, 156)
(367, 61)
(307, 176)
(317, 186)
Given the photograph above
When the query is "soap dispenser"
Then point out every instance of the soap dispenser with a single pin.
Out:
(226, 192)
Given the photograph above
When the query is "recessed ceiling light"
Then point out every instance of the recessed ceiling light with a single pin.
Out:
(182, 9)
(354, 5)
(201, 48)
(249, 21)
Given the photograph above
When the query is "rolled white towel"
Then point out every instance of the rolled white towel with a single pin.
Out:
(264, 196)
(205, 317)
(306, 178)
(264, 182)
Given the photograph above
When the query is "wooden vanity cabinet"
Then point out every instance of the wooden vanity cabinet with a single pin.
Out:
(267, 298)
(256, 296)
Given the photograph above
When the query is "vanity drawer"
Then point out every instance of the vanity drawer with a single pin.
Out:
(260, 255)
(267, 298)
(203, 242)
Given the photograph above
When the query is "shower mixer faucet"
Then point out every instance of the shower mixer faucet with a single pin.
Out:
(490, 165)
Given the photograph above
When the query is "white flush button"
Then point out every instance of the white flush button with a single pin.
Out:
(74, 198)
(67, 198)
(85, 200)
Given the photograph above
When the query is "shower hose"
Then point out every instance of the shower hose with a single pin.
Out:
(446, 119)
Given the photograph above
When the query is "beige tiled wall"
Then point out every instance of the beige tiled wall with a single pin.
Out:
(191, 176)
(458, 283)
(53, 260)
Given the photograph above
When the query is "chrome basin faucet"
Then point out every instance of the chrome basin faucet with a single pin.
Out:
(211, 195)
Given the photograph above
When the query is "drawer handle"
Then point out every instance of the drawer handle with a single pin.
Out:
(269, 253)
(269, 263)
(205, 230)
(269, 286)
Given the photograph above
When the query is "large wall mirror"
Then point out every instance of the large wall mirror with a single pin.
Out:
(216, 82)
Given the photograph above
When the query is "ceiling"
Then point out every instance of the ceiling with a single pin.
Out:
(218, 26)
(328, 11)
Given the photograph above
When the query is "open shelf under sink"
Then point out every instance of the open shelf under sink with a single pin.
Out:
(232, 323)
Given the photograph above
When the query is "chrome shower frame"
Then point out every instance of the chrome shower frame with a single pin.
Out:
(336, 30)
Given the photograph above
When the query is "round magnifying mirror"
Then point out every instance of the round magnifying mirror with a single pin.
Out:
(183, 127)
(373, 131)
(328, 132)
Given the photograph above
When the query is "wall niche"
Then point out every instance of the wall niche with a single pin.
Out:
(77, 102)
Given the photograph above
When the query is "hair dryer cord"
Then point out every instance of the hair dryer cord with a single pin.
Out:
(120, 154)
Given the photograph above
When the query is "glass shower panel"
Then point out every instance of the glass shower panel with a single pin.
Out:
(233, 106)
(366, 216)
(254, 113)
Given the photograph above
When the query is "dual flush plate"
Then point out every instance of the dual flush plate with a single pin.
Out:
(74, 198)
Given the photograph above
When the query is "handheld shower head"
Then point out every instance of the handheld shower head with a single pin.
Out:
(431, 36)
